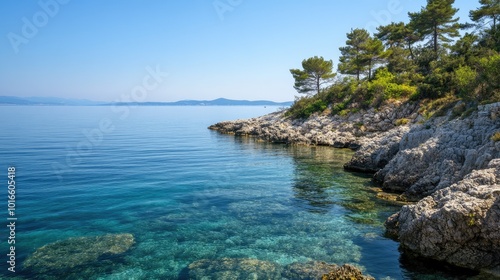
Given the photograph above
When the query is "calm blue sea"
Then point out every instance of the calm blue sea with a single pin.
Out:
(186, 193)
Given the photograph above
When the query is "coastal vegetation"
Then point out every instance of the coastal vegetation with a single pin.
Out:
(434, 58)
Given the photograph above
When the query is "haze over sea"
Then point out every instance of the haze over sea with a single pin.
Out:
(186, 193)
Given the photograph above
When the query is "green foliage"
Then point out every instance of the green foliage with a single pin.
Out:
(438, 107)
(410, 61)
(399, 62)
(316, 72)
(399, 38)
(374, 54)
(437, 83)
(402, 121)
(361, 54)
(490, 76)
(396, 34)
(491, 38)
(436, 20)
(351, 60)
(306, 106)
(472, 219)
(344, 112)
(466, 48)
(384, 84)
(490, 9)
(465, 81)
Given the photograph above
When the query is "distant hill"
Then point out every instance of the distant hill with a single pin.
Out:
(51, 101)
(215, 102)
(12, 100)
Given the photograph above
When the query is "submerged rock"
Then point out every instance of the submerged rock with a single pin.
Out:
(346, 272)
(242, 268)
(307, 271)
(459, 224)
(233, 268)
(79, 251)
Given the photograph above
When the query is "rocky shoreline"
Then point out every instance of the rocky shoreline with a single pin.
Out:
(449, 164)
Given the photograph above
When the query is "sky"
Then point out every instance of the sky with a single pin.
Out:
(161, 50)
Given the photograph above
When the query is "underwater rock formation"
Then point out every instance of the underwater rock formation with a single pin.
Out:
(233, 268)
(78, 251)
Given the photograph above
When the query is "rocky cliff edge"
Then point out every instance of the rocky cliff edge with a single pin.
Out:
(450, 163)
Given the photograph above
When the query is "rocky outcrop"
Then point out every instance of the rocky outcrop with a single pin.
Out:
(338, 131)
(458, 224)
(241, 268)
(440, 152)
(68, 254)
(346, 272)
(307, 271)
(377, 151)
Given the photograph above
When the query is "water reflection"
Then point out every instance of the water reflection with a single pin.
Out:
(314, 177)
(320, 184)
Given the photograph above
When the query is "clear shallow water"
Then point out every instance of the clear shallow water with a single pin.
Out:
(186, 193)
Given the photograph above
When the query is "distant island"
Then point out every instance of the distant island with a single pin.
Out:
(56, 101)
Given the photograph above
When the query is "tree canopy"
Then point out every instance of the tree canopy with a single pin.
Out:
(437, 21)
(490, 9)
(316, 72)
(424, 59)
(361, 54)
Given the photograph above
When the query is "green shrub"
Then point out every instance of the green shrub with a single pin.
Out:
(339, 107)
(490, 76)
(385, 85)
(306, 106)
(344, 112)
(465, 82)
(402, 121)
(496, 136)
(437, 83)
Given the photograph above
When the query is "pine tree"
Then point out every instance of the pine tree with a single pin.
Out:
(399, 39)
(361, 54)
(436, 20)
(397, 35)
(488, 9)
(317, 72)
(351, 61)
(374, 54)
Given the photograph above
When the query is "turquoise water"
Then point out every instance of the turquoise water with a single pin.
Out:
(185, 193)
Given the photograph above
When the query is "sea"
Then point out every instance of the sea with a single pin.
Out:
(185, 193)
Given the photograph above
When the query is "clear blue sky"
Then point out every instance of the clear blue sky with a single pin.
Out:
(99, 50)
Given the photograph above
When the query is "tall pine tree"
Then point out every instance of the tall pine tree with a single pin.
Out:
(436, 20)
(351, 61)
(361, 54)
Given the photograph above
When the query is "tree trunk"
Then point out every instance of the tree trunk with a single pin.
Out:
(317, 84)
(411, 51)
(435, 39)
(370, 70)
